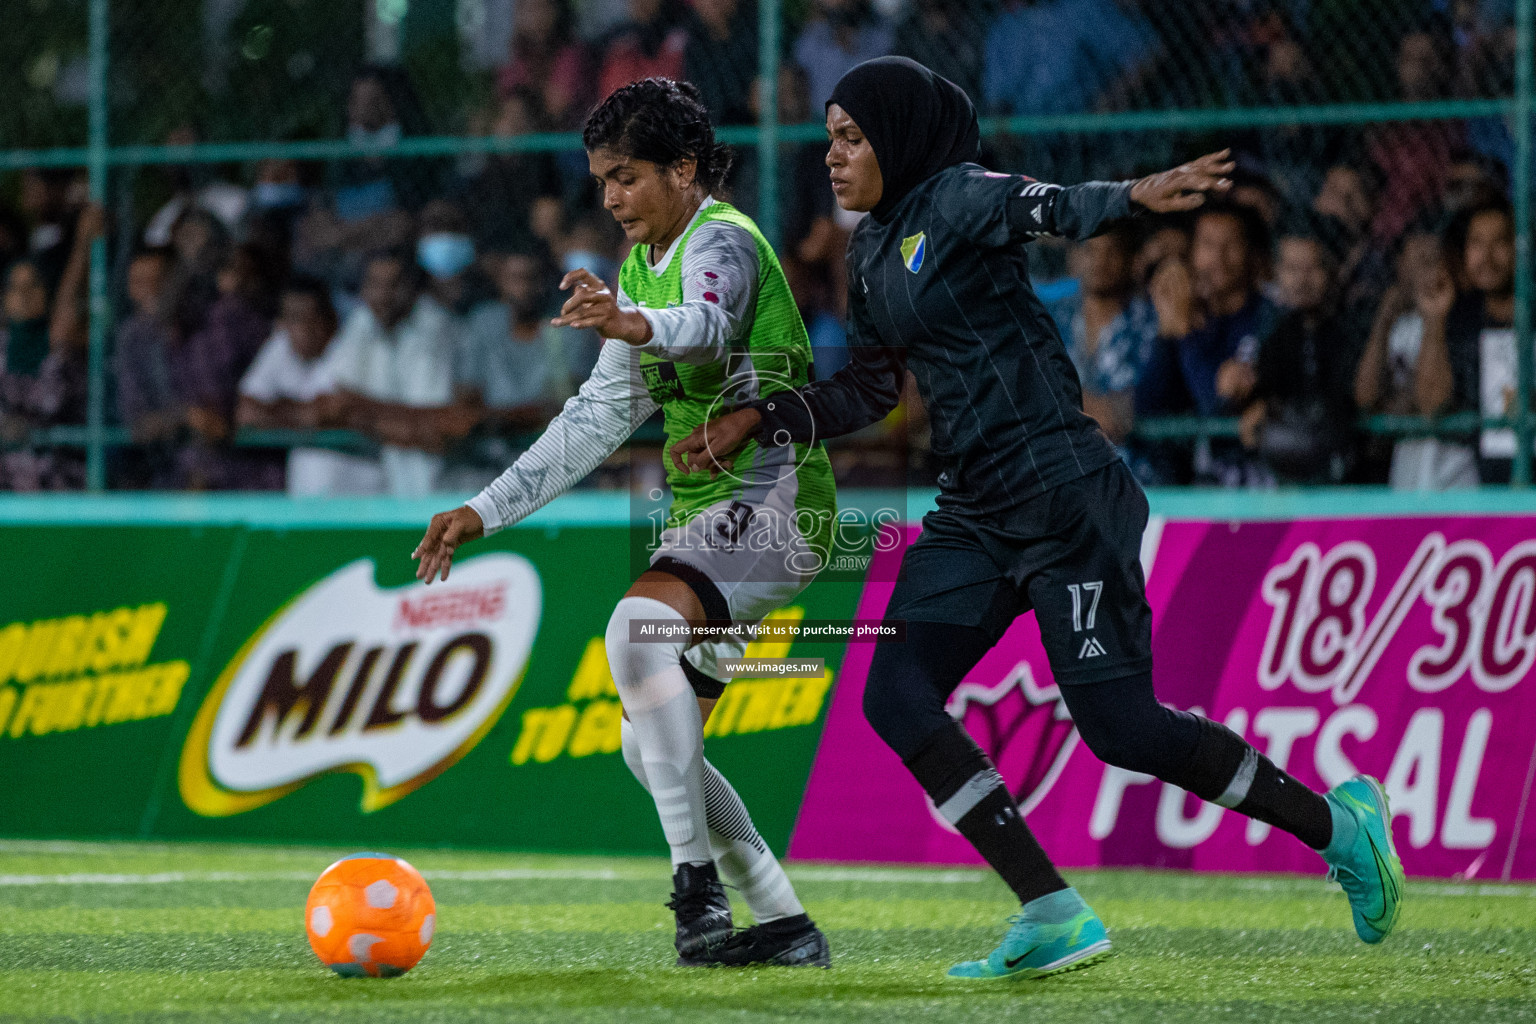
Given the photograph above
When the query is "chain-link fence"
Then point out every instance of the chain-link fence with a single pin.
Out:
(232, 145)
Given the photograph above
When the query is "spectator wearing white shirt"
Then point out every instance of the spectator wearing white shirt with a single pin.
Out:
(286, 386)
(393, 367)
(1419, 300)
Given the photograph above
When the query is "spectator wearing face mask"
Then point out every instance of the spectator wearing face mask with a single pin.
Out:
(592, 243)
(393, 369)
(284, 387)
(446, 251)
(278, 200)
(1301, 403)
(1419, 300)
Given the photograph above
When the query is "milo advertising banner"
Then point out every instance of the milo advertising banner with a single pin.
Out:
(1403, 647)
(271, 682)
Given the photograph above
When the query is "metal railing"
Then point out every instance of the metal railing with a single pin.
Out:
(100, 155)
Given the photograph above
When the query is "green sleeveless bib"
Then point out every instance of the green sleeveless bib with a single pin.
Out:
(774, 356)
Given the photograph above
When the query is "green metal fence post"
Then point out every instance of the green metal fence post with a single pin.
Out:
(96, 409)
(770, 18)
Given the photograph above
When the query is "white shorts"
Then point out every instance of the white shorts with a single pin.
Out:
(755, 555)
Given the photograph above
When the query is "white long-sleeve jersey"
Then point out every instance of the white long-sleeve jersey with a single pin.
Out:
(720, 282)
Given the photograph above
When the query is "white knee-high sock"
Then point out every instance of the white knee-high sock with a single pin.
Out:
(739, 851)
(665, 716)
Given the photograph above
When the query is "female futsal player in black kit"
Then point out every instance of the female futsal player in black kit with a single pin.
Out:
(1035, 509)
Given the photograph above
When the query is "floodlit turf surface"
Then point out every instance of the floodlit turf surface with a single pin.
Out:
(190, 933)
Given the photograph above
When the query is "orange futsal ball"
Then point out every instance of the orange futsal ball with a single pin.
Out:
(370, 915)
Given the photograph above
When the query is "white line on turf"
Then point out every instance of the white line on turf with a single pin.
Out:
(173, 877)
(159, 878)
(799, 873)
(805, 874)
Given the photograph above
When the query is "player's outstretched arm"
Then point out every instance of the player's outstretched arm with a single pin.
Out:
(1039, 209)
(444, 535)
(593, 424)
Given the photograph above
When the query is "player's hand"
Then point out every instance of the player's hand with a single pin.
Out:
(593, 305)
(444, 534)
(713, 445)
(1185, 187)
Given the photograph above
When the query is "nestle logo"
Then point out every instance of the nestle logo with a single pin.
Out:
(451, 607)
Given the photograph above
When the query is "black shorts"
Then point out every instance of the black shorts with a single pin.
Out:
(1073, 554)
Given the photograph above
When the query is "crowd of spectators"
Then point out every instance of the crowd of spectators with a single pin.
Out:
(405, 302)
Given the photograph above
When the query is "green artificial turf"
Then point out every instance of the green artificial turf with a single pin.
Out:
(119, 932)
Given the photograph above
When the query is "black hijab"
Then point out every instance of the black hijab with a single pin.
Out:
(917, 122)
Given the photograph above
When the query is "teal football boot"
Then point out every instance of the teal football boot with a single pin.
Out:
(1050, 935)
(1362, 858)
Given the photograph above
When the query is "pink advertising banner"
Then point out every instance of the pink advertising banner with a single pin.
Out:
(1402, 647)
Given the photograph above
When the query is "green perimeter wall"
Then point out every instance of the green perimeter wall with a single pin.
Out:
(124, 612)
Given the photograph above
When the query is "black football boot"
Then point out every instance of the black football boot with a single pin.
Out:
(703, 913)
(788, 942)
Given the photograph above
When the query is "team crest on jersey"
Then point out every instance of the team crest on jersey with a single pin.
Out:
(912, 251)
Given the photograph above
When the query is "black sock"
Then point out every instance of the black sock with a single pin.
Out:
(1230, 772)
(1277, 798)
(787, 925)
(964, 785)
(1122, 723)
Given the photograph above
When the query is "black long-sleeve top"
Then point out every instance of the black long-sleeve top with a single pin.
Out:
(941, 286)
